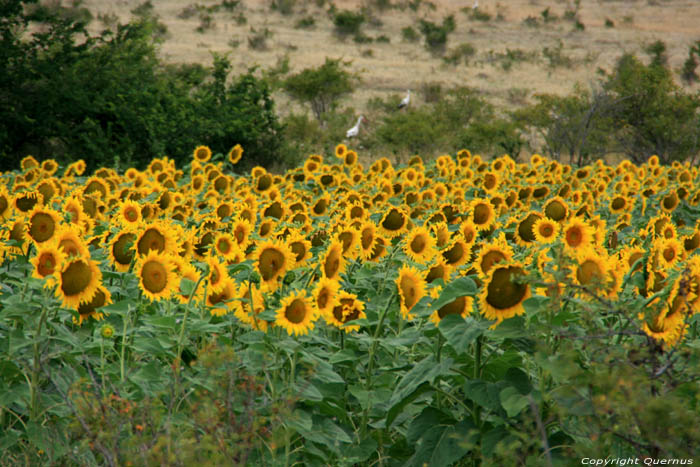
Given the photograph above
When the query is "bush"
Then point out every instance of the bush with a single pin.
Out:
(409, 34)
(436, 36)
(108, 98)
(321, 87)
(348, 22)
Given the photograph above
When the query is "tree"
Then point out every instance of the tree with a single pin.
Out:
(654, 115)
(321, 87)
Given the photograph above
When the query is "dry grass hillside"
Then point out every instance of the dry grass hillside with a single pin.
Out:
(509, 62)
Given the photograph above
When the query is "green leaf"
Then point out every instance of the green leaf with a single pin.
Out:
(484, 393)
(425, 371)
(519, 380)
(511, 328)
(187, 286)
(307, 391)
(443, 445)
(512, 401)
(535, 304)
(460, 287)
(358, 453)
(121, 307)
(300, 420)
(460, 333)
(428, 418)
(397, 407)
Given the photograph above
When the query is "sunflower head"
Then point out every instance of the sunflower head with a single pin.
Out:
(48, 260)
(411, 286)
(201, 154)
(297, 313)
(333, 263)
(420, 245)
(394, 222)
(42, 224)
(545, 230)
(347, 308)
(235, 154)
(504, 292)
(89, 309)
(78, 281)
(577, 235)
(157, 277)
(272, 260)
(459, 306)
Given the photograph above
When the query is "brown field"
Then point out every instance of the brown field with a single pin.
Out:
(391, 68)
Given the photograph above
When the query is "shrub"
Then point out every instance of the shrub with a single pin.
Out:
(257, 40)
(409, 34)
(307, 22)
(688, 73)
(461, 54)
(284, 7)
(436, 36)
(321, 87)
(348, 22)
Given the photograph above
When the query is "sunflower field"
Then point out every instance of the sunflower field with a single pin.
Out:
(458, 311)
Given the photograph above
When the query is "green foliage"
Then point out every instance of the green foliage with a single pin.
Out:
(257, 39)
(654, 115)
(461, 54)
(323, 86)
(108, 98)
(688, 73)
(307, 22)
(348, 22)
(556, 57)
(409, 34)
(436, 36)
(657, 52)
(284, 7)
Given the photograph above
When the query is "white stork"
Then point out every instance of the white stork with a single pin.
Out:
(476, 5)
(406, 100)
(352, 132)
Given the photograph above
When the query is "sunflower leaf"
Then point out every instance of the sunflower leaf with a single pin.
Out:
(512, 401)
(460, 332)
(463, 286)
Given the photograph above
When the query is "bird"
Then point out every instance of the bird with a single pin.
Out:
(476, 5)
(352, 132)
(405, 100)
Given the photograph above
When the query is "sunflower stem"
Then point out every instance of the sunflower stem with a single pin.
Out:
(121, 357)
(477, 374)
(290, 388)
(34, 389)
(102, 367)
(180, 341)
(370, 364)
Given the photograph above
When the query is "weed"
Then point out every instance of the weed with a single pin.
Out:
(548, 16)
(206, 22)
(308, 22)
(436, 36)
(579, 26)
(257, 40)
(531, 22)
(555, 56)
(383, 39)
(409, 34)
(368, 53)
(480, 15)
(348, 22)
(188, 12)
(518, 96)
(284, 7)
(609, 23)
(628, 19)
(108, 19)
(432, 92)
(462, 53)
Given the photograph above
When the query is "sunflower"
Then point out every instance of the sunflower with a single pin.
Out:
(301, 248)
(556, 209)
(202, 154)
(503, 293)
(340, 151)
(241, 229)
(185, 270)
(442, 234)
(6, 203)
(218, 275)
(459, 306)
(469, 231)
(272, 259)
(483, 214)
(669, 202)
(347, 308)
(670, 251)
(129, 213)
(577, 235)
(368, 233)
(492, 253)
(333, 262)
(70, 241)
(325, 294)
(121, 250)
(350, 239)
(411, 287)
(592, 269)
(394, 222)
(77, 281)
(420, 245)
(458, 253)
(297, 313)
(48, 260)
(379, 248)
(156, 274)
(235, 154)
(227, 247)
(221, 301)
(691, 242)
(524, 232)
(243, 311)
(439, 270)
(102, 297)
(545, 230)
(42, 224)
